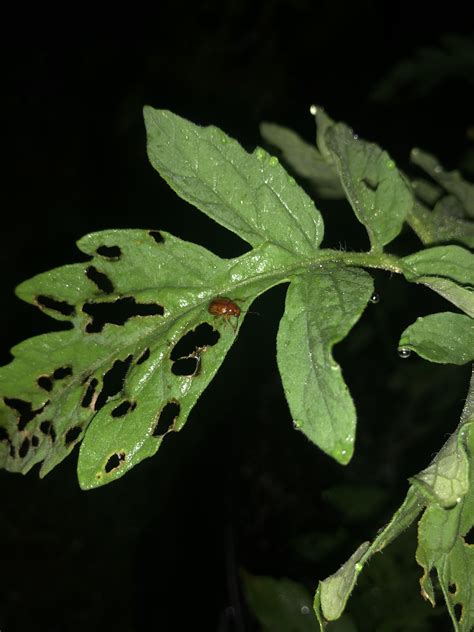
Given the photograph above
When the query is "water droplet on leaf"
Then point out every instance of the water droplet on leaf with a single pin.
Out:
(438, 169)
(356, 136)
(404, 353)
(390, 164)
(375, 298)
(291, 180)
(260, 153)
(313, 109)
(304, 610)
(273, 161)
(358, 566)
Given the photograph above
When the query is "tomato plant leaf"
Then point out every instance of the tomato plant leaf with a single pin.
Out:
(377, 192)
(321, 308)
(446, 337)
(333, 593)
(250, 194)
(279, 604)
(305, 160)
(451, 181)
(142, 349)
(447, 262)
(445, 523)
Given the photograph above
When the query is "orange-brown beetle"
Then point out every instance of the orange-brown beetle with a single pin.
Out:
(226, 308)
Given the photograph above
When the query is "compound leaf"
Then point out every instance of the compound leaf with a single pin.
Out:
(321, 308)
(250, 194)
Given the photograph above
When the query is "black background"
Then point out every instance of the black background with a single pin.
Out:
(160, 548)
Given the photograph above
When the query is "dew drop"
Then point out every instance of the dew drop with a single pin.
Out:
(390, 164)
(273, 161)
(438, 169)
(358, 567)
(304, 610)
(313, 110)
(223, 140)
(415, 151)
(404, 353)
(260, 153)
(356, 136)
(291, 181)
(375, 298)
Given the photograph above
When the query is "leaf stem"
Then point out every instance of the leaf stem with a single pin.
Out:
(362, 259)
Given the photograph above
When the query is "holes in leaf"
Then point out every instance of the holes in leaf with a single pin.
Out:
(45, 427)
(34, 441)
(452, 589)
(4, 434)
(89, 394)
(25, 446)
(123, 408)
(72, 434)
(23, 408)
(12, 451)
(469, 537)
(202, 336)
(109, 252)
(118, 312)
(167, 417)
(145, 355)
(157, 236)
(45, 382)
(62, 372)
(62, 307)
(372, 186)
(458, 611)
(114, 461)
(113, 381)
(100, 279)
(186, 366)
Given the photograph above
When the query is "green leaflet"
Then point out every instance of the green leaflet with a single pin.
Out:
(445, 338)
(321, 308)
(379, 195)
(451, 181)
(437, 226)
(333, 593)
(449, 262)
(448, 270)
(250, 194)
(113, 379)
(305, 160)
(279, 604)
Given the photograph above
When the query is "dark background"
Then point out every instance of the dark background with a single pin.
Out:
(238, 487)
